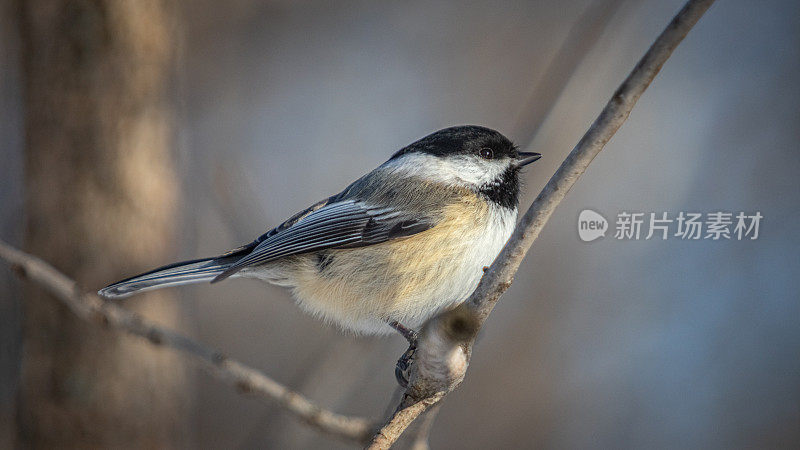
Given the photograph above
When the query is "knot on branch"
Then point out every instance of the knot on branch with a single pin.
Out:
(443, 354)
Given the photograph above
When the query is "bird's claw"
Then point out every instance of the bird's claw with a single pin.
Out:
(403, 367)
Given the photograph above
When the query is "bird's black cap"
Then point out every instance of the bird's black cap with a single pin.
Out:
(465, 139)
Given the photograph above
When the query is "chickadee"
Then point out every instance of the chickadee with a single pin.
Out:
(397, 246)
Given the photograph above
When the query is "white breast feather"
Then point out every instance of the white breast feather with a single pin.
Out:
(479, 252)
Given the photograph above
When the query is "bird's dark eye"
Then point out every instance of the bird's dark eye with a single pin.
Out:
(487, 153)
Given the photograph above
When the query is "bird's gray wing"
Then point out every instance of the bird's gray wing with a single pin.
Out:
(245, 250)
(332, 224)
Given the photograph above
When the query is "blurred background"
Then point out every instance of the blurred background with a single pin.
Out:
(138, 133)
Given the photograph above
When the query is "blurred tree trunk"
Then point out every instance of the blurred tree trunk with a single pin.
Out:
(101, 200)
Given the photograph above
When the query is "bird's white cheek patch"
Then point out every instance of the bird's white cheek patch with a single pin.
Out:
(469, 171)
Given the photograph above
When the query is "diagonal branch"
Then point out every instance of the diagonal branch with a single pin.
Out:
(247, 380)
(447, 340)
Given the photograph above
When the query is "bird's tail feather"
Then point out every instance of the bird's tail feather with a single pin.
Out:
(185, 272)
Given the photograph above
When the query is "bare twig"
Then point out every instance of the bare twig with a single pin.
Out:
(581, 38)
(613, 115)
(424, 430)
(406, 413)
(247, 380)
(428, 387)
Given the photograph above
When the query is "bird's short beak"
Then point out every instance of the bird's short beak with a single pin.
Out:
(526, 158)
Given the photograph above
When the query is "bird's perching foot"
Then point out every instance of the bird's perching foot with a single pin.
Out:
(401, 370)
(408, 333)
(403, 367)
